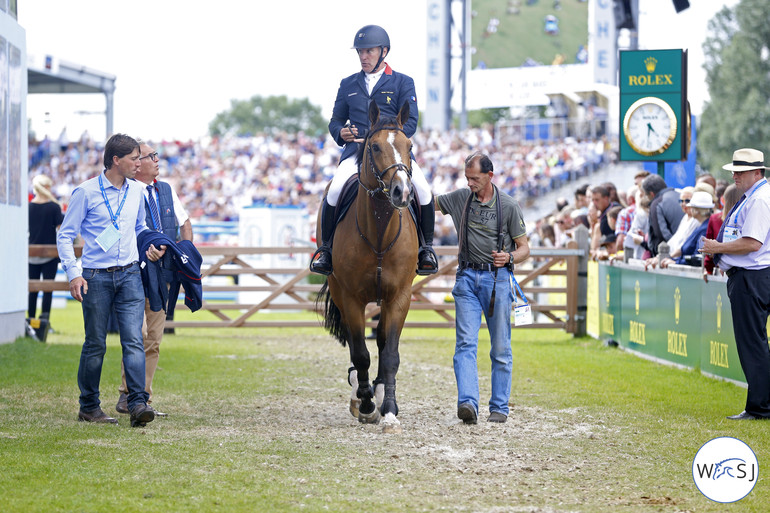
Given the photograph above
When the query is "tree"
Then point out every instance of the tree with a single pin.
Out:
(271, 115)
(737, 64)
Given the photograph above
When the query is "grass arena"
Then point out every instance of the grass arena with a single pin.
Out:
(259, 420)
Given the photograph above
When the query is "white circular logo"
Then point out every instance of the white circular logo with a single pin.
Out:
(725, 469)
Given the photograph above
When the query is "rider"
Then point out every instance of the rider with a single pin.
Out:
(349, 124)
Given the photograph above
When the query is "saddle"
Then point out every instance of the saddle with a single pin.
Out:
(348, 195)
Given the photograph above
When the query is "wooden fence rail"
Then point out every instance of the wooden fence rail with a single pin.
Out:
(550, 280)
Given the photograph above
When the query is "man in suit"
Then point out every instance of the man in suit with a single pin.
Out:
(163, 213)
(376, 82)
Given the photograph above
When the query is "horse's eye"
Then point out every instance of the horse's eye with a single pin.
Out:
(375, 147)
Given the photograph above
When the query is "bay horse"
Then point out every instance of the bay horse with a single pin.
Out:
(375, 260)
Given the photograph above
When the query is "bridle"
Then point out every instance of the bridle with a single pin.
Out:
(400, 166)
(382, 218)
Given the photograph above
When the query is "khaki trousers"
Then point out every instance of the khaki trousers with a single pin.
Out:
(152, 332)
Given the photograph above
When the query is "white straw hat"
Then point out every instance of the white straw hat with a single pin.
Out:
(746, 159)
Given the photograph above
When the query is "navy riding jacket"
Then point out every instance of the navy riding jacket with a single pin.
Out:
(186, 271)
(392, 90)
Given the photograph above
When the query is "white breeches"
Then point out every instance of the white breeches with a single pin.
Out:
(347, 168)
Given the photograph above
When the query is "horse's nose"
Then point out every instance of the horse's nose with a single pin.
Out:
(400, 190)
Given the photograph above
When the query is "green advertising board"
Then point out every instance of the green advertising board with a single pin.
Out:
(653, 105)
(719, 354)
(669, 316)
(637, 306)
(609, 302)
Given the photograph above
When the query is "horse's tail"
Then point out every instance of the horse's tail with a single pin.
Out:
(332, 315)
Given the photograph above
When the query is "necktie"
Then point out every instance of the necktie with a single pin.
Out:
(153, 209)
(717, 257)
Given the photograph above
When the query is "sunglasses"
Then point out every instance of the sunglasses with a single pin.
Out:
(151, 156)
(684, 201)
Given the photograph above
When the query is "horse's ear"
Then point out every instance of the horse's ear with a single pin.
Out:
(374, 113)
(403, 114)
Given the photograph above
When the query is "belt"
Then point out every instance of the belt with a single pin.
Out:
(731, 271)
(475, 266)
(115, 268)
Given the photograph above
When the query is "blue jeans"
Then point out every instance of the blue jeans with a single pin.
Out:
(472, 293)
(123, 291)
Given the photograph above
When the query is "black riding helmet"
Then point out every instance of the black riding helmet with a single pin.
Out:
(372, 36)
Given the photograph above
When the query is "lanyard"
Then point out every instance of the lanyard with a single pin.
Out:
(743, 203)
(518, 289)
(113, 217)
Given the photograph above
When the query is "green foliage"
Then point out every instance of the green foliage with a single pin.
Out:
(737, 64)
(272, 114)
(477, 118)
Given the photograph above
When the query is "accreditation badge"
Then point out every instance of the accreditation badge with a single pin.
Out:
(108, 237)
(731, 233)
(522, 315)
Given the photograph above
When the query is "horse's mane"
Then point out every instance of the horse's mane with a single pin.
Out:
(381, 123)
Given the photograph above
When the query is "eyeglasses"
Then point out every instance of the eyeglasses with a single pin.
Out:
(684, 201)
(151, 156)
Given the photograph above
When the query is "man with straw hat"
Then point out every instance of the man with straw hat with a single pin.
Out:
(740, 252)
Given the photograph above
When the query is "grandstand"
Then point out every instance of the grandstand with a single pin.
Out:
(217, 177)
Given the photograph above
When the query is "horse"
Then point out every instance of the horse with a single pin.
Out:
(375, 260)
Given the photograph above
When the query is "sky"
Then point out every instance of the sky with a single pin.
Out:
(180, 62)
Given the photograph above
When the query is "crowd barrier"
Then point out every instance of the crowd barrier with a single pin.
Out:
(670, 316)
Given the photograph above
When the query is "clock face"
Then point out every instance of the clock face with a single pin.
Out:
(650, 126)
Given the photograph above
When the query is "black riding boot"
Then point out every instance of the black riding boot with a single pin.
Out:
(321, 262)
(427, 262)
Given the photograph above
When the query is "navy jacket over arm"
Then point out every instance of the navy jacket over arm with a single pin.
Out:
(392, 90)
(186, 271)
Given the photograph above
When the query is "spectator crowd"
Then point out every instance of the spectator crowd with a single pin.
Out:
(216, 177)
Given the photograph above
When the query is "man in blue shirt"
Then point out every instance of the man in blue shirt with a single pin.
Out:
(108, 211)
(742, 253)
(376, 82)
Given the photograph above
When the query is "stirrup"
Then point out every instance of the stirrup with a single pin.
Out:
(427, 261)
(315, 260)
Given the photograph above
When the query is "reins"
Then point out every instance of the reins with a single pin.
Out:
(382, 218)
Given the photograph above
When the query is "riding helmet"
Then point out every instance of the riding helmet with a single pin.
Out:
(371, 36)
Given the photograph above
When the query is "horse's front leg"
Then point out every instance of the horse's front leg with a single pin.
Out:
(359, 356)
(388, 336)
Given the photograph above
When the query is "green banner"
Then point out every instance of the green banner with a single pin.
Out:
(719, 355)
(609, 302)
(676, 318)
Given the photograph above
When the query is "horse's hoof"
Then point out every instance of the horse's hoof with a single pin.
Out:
(391, 425)
(354, 405)
(369, 418)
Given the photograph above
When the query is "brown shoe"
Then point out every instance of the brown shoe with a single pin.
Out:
(122, 406)
(97, 416)
(141, 415)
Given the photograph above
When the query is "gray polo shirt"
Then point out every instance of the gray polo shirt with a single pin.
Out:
(482, 222)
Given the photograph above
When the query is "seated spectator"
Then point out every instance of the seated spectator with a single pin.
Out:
(706, 178)
(608, 244)
(701, 206)
(665, 212)
(626, 217)
(636, 239)
(729, 199)
(686, 226)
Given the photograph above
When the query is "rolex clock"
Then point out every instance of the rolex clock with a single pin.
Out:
(649, 126)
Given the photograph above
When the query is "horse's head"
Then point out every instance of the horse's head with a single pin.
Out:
(384, 158)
